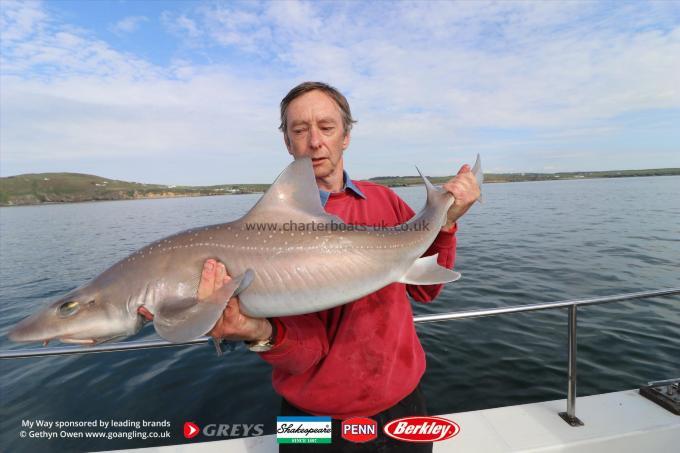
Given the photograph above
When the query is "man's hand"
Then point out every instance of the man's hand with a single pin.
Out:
(465, 191)
(232, 325)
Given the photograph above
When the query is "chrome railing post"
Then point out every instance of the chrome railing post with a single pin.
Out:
(570, 415)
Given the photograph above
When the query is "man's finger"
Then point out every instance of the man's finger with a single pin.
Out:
(219, 276)
(207, 285)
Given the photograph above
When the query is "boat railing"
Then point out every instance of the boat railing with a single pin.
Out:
(571, 305)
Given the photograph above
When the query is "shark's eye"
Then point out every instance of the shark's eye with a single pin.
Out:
(69, 308)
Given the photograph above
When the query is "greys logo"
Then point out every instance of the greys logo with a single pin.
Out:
(233, 430)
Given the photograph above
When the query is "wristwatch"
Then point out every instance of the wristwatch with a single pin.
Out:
(263, 345)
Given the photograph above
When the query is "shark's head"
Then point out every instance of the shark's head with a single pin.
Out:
(84, 316)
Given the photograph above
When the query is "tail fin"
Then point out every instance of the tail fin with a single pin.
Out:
(435, 192)
(477, 171)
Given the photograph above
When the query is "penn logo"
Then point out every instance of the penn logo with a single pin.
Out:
(191, 430)
(359, 429)
(421, 429)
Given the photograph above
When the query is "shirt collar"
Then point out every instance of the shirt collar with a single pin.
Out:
(347, 184)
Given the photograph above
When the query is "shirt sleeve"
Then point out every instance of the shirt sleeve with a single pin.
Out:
(444, 246)
(301, 342)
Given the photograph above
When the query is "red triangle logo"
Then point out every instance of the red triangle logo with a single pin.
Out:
(191, 430)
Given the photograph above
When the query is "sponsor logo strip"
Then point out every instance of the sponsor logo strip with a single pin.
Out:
(303, 430)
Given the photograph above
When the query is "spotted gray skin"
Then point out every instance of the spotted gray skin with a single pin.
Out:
(279, 270)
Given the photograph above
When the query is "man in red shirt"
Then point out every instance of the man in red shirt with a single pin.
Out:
(362, 358)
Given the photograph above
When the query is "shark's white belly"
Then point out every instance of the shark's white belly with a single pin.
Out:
(295, 283)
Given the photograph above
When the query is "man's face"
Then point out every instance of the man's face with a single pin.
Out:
(315, 130)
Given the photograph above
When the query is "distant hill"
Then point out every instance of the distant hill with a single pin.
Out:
(37, 188)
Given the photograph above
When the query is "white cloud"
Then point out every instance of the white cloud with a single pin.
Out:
(42, 48)
(128, 24)
(230, 26)
(19, 20)
(180, 25)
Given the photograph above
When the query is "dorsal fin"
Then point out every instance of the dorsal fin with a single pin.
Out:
(294, 196)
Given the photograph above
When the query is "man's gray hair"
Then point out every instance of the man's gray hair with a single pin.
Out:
(306, 87)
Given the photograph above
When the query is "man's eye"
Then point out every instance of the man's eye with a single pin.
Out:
(298, 131)
(327, 128)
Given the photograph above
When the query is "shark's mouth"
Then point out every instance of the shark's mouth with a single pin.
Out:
(89, 341)
(75, 340)
(65, 338)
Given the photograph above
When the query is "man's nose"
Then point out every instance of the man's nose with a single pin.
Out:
(315, 138)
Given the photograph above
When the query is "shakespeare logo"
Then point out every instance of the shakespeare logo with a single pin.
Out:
(303, 430)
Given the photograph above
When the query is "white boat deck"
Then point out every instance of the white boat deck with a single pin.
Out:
(613, 422)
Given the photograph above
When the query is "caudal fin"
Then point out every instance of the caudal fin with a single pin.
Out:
(477, 171)
(432, 191)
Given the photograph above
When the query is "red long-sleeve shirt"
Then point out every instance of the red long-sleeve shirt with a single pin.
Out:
(362, 357)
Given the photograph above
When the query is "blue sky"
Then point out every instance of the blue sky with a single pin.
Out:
(187, 92)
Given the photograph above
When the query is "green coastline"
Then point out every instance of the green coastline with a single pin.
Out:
(47, 188)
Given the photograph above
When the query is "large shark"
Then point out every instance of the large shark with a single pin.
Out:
(287, 256)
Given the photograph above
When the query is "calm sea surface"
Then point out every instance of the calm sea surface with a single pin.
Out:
(529, 242)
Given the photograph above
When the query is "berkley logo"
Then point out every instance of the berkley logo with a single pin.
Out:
(359, 429)
(190, 430)
(421, 429)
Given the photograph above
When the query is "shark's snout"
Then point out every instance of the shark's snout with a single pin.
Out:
(76, 318)
(28, 330)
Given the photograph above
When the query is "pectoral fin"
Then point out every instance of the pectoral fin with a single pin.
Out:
(426, 271)
(180, 320)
